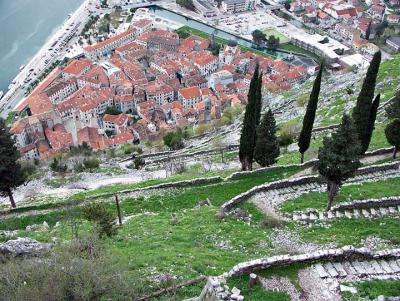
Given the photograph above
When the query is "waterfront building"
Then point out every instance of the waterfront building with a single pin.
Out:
(107, 46)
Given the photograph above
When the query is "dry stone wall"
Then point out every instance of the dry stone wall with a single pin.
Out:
(177, 184)
(216, 288)
(279, 191)
(240, 174)
(357, 209)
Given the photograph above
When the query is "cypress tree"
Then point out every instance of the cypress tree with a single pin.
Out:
(11, 174)
(267, 147)
(371, 122)
(309, 117)
(258, 103)
(362, 110)
(392, 133)
(248, 136)
(338, 158)
(368, 31)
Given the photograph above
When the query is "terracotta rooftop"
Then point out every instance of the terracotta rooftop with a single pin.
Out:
(76, 66)
(116, 119)
(110, 40)
(190, 92)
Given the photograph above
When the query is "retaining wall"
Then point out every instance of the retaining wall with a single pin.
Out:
(178, 184)
(361, 204)
(300, 181)
(216, 288)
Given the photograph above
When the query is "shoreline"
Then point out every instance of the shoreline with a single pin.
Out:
(40, 56)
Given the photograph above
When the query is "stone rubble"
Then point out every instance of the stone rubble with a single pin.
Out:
(23, 246)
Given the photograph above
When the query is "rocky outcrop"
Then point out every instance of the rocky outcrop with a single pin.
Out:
(23, 246)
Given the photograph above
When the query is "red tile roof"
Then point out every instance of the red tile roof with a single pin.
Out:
(92, 137)
(190, 92)
(59, 138)
(110, 40)
(120, 138)
(77, 66)
(116, 119)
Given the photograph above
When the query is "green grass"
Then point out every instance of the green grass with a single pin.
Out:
(179, 199)
(292, 48)
(205, 35)
(369, 190)
(350, 231)
(53, 202)
(378, 139)
(332, 114)
(290, 271)
(188, 249)
(273, 32)
(57, 182)
(183, 293)
(374, 288)
(255, 293)
(149, 244)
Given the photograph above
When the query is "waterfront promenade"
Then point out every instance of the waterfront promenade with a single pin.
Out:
(45, 57)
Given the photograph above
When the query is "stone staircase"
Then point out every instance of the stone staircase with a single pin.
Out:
(385, 268)
(275, 197)
(361, 209)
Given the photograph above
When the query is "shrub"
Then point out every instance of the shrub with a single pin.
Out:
(202, 128)
(285, 139)
(127, 148)
(103, 218)
(111, 153)
(138, 150)
(58, 166)
(174, 140)
(29, 169)
(72, 271)
(91, 163)
(188, 132)
(139, 163)
(83, 149)
(78, 167)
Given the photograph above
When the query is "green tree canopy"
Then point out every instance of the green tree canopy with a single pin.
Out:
(339, 157)
(174, 140)
(258, 36)
(309, 117)
(392, 133)
(266, 151)
(248, 135)
(393, 110)
(363, 109)
(11, 174)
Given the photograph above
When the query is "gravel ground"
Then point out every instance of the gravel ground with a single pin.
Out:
(288, 242)
(281, 284)
(314, 288)
(38, 187)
